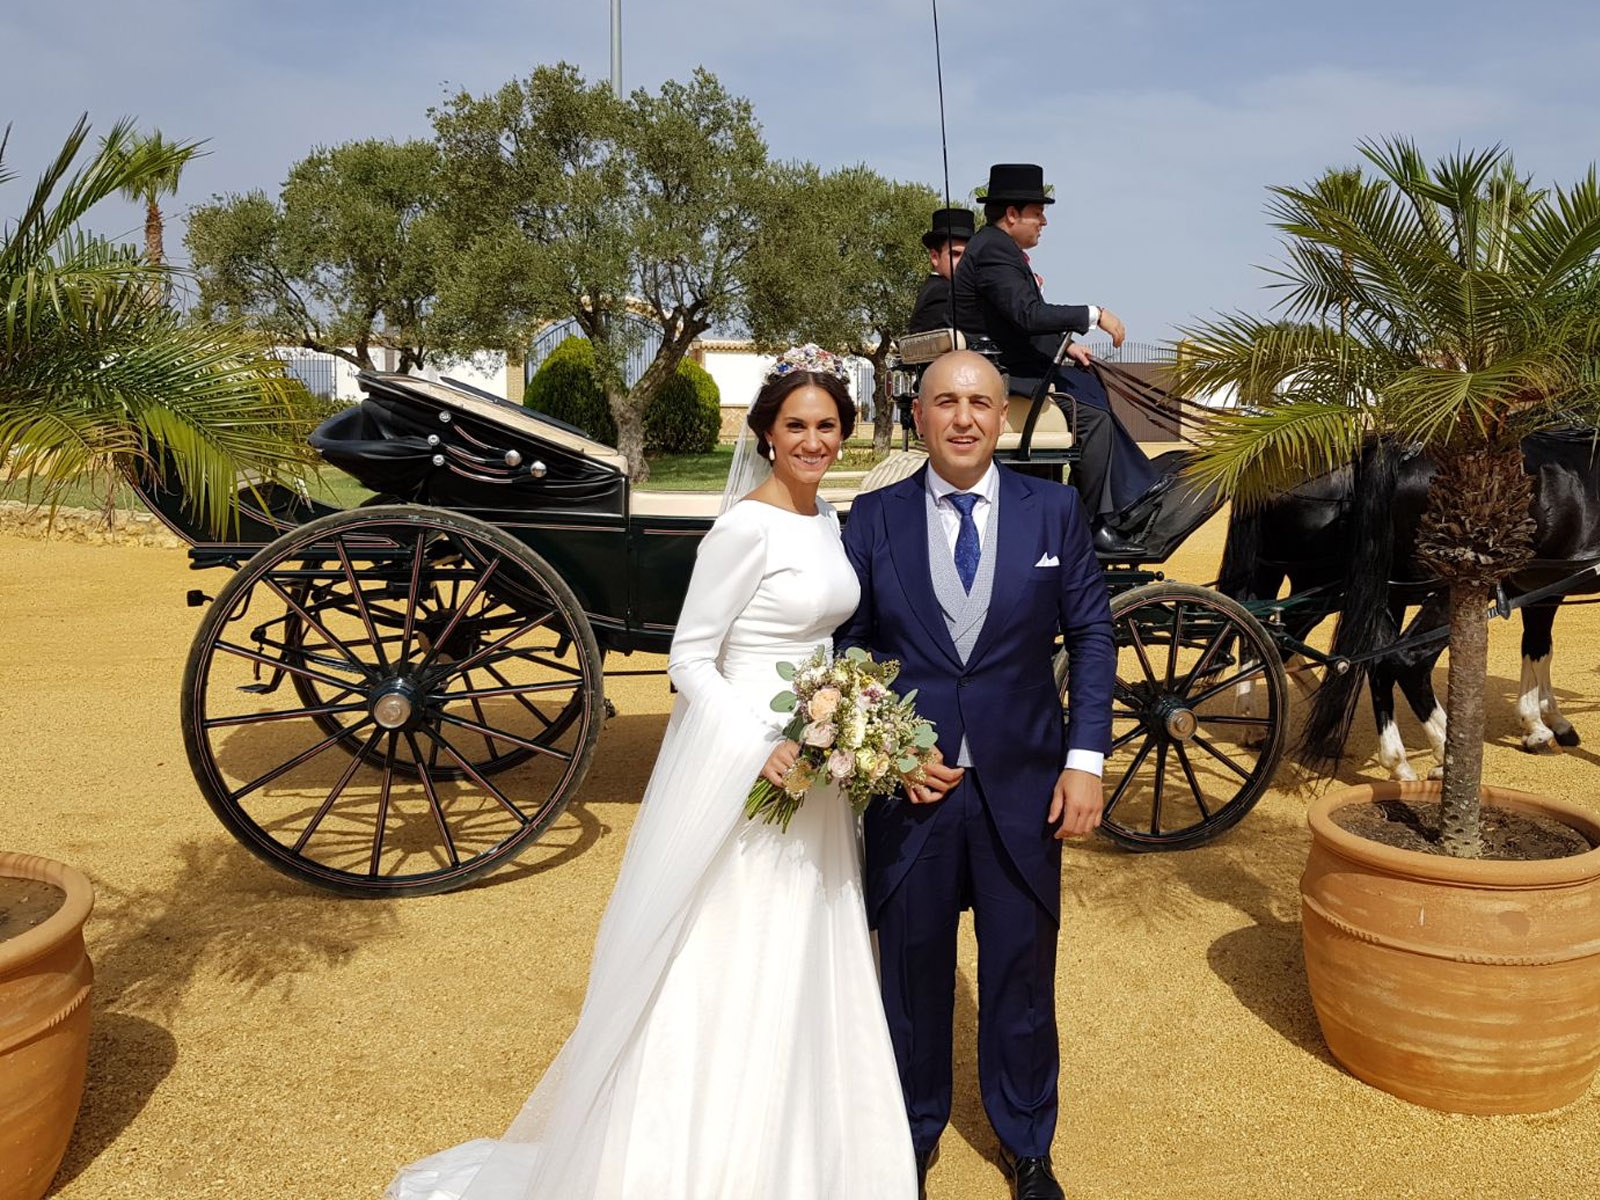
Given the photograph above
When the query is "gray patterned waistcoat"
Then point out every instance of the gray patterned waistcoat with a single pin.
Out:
(964, 611)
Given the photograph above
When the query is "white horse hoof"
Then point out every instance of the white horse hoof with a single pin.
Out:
(1402, 773)
(1538, 741)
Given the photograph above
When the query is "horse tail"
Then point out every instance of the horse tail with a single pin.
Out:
(1365, 621)
(1241, 554)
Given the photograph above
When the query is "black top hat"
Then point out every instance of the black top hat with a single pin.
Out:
(949, 223)
(1016, 183)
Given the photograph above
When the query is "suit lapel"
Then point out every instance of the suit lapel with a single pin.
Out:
(906, 511)
(1019, 518)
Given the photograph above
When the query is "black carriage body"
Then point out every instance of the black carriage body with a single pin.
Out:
(545, 483)
(538, 479)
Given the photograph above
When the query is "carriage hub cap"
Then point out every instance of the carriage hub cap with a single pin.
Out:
(392, 707)
(1180, 722)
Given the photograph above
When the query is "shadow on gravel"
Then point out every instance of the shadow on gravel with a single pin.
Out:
(224, 913)
(1254, 870)
(128, 1058)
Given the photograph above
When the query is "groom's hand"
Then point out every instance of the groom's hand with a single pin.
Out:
(1077, 803)
(932, 780)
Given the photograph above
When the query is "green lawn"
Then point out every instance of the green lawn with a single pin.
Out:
(708, 472)
(331, 487)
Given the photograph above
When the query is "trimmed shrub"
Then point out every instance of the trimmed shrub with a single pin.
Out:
(684, 418)
(565, 387)
(686, 415)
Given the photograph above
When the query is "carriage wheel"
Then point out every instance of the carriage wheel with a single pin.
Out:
(1185, 765)
(444, 701)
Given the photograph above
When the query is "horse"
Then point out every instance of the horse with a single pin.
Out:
(1348, 539)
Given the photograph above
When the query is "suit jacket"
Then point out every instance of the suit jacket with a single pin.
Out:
(1003, 700)
(932, 309)
(997, 297)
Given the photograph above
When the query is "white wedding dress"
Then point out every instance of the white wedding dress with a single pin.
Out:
(732, 1044)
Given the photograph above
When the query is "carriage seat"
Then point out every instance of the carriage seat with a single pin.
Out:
(1051, 432)
(919, 349)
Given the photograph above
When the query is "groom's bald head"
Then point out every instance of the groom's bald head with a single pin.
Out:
(960, 411)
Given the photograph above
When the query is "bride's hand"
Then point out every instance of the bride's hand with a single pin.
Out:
(929, 783)
(779, 762)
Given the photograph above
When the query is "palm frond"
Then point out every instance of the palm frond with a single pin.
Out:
(1253, 455)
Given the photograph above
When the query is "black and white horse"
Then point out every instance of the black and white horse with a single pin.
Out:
(1350, 537)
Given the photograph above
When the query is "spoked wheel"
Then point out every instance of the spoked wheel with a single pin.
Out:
(443, 704)
(1185, 764)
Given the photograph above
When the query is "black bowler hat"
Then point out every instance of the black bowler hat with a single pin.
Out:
(1016, 183)
(949, 224)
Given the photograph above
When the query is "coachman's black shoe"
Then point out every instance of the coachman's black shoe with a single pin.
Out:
(1032, 1178)
(1109, 542)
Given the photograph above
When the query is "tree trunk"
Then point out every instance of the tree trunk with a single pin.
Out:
(1463, 745)
(154, 248)
(630, 431)
(883, 416)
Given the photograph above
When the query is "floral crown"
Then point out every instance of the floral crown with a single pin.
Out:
(810, 357)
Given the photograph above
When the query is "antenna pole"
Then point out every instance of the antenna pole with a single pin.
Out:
(616, 47)
(944, 141)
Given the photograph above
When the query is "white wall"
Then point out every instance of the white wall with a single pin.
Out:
(739, 373)
(485, 370)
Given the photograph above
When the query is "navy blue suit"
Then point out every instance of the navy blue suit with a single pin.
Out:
(987, 845)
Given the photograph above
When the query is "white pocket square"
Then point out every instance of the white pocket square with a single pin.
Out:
(1049, 560)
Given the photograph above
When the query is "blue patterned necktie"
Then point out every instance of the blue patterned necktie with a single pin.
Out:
(967, 549)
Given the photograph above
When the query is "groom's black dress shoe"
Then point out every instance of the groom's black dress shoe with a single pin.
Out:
(924, 1165)
(1032, 1178)
(1108, 541)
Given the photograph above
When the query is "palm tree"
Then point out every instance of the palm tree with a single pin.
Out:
(98, 376)
(155, 166)
(1466, 319)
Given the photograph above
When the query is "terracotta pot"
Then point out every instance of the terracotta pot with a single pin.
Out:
(1458, 984)
(45, 978)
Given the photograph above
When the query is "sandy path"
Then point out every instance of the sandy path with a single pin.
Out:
(255, 1039)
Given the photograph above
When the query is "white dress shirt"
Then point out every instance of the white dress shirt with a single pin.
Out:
(987, 490)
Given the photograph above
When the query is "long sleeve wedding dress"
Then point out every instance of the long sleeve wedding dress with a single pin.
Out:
(732, 1043)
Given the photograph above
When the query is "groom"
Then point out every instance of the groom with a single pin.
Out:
(968, 571)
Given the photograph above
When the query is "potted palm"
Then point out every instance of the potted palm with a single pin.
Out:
(97, 376)
(1451, 310)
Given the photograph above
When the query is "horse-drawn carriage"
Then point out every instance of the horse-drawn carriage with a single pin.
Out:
(399, 697)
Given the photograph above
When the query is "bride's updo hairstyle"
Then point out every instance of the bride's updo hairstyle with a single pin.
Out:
(803, 366)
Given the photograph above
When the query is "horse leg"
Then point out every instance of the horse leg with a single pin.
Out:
(1542, 722)
(1391, 747)
(1415, 676)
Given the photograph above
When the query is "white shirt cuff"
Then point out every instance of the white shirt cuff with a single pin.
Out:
(1091, 761)
(1094, 317)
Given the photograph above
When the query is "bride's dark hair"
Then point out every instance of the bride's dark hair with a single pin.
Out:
(769, 400)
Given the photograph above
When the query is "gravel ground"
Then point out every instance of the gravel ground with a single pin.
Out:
(254, 1039)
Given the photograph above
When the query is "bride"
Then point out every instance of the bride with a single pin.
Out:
(732, 1043)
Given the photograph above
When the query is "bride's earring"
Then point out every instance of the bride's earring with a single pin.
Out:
(772, 453)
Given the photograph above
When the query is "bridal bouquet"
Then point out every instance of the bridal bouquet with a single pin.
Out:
(852, 729)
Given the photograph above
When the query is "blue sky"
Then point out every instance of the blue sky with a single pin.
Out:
(1161, 124)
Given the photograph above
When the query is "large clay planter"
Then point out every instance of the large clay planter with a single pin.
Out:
(1461, 985)
(45, 978)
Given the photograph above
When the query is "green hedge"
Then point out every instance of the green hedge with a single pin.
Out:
(684, 418)
(686, 415)
(565, 387)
